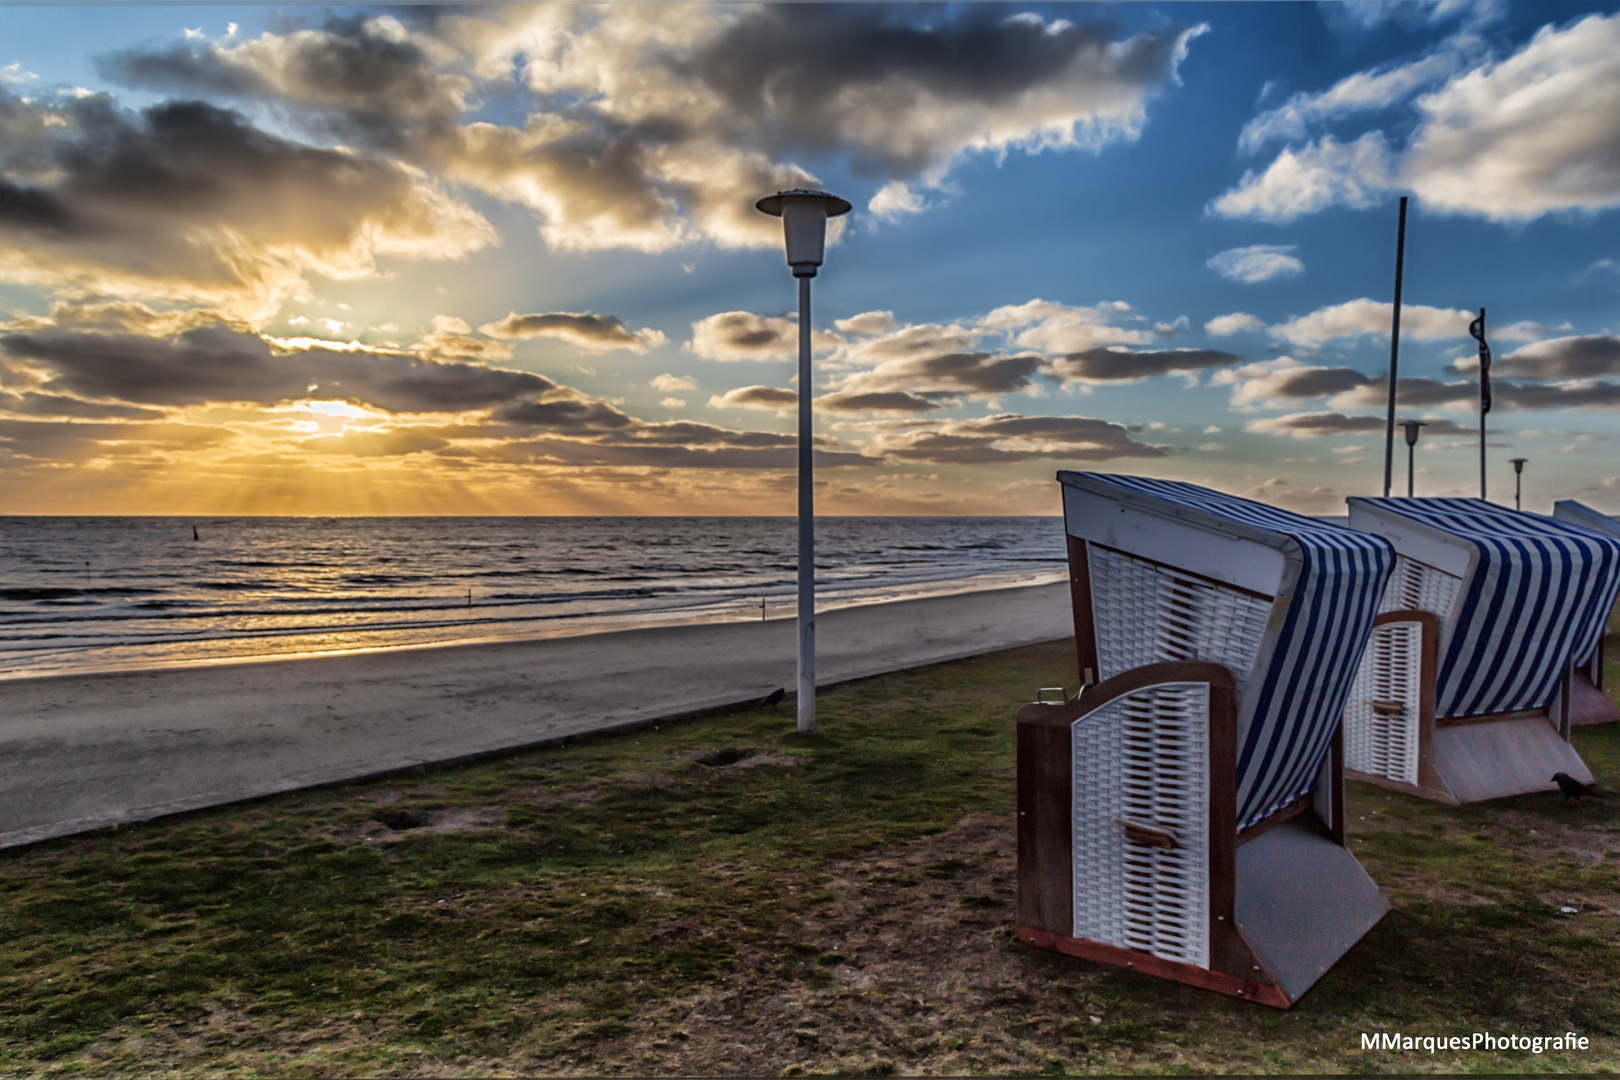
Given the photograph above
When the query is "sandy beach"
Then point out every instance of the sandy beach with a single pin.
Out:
(82, 752)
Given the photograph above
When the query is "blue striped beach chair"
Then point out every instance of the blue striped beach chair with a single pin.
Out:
(1464, 693)
(1183, 815)
(1588, 703)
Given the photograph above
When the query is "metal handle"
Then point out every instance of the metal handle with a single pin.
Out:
(1040, 695)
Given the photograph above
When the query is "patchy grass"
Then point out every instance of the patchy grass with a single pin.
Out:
(841, 903)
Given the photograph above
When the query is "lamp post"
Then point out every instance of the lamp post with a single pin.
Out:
(1518, 480)
(1411, 427)
(804, 215)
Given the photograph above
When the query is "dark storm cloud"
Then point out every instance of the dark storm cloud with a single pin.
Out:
(1580, 394)
(66, 441)
(1563, 358)
(892, 401)
(56, 405)
(565, 452)
(755, 397)
(589, 331)
(189, 199)
(1011, 437)
(811, 75)
(221, 364)
(1313, 425)
(366, 86)
(945, 375)
(1106, 365)
(563, 415)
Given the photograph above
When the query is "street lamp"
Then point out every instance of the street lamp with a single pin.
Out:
(1411, 427)
(804, 217)
(1518, 479)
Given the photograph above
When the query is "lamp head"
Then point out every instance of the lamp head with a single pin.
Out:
(1411, 427)
(804, 215)
(1518, 464)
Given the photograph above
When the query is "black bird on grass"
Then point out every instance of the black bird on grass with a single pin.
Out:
(1571, 787)
(774, 698)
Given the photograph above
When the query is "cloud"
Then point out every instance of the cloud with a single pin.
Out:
(673, 403)
(669, 384)
(1056, 328)
(944, 375)
(1261, 262)
(1533, 134)
(1324, 173)
(1010, 437)
(1506, 139)
(1318, 424)
(452, 338)
(1118, 365)
(1356, 318)
(593, 333)
(649, 128)
(220, 362)
(1580, 357)
(186, 201)
(755, 397)
(867, 323)
(1236, 323)
(894, 200)
(1360, 92)
(1268, 382)
(893, 401)
(742, 335)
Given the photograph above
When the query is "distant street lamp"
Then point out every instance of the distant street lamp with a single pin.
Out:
(1518, 480)
(1411, 427)
(804, 217)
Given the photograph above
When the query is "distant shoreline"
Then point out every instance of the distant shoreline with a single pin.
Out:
(261, 649)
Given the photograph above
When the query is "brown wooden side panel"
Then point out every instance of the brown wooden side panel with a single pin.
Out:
(1264, 992)
(1085, 626)
(1045, 821)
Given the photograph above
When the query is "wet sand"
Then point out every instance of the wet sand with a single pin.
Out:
(85, 751)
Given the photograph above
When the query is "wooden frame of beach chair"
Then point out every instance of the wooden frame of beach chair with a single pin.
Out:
(1183, 815)
(1588, 703)
(1468, 688)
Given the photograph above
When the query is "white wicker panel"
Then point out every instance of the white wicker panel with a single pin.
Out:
(1416, 586)
(1146, 613)
(1390, 671)
(1144, 758)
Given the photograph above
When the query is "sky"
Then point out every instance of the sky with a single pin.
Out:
(504, 259)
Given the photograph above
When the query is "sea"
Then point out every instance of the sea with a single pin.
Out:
(81, 594)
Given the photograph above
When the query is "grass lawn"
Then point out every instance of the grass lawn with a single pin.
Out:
(836, 904)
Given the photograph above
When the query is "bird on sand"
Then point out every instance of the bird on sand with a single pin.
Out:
(1571, 787)
(774, 698)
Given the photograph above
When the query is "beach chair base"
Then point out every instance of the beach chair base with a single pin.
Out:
(1588, 704)
(1283, 899)
(1301, 902)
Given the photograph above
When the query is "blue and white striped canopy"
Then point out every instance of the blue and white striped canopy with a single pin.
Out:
(1536, 602)
(1296, 694)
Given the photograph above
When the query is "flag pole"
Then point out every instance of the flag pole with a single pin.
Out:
(1394, 347)
(1484, 397)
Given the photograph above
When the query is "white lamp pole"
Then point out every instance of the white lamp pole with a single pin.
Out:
(804, 217)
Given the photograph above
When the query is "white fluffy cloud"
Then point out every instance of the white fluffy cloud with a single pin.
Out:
(1238, 322)
(1355, 318)
(1507, 139)
(1058, 328)
(1322, 174)
(1260, 262)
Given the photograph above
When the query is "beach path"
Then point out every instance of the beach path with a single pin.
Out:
(79, 752)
